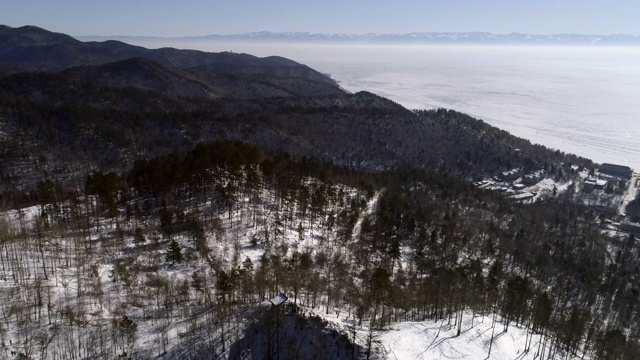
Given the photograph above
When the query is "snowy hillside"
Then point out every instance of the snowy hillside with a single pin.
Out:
(178, 257)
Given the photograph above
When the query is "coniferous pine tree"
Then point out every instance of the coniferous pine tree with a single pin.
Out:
(174, 254)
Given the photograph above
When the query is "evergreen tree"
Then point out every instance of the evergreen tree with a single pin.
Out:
(174, 254)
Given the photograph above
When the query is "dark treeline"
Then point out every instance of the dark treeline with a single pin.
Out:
(59, 127)
(494, 149)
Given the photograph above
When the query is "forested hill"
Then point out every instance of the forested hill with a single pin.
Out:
(30, 48)
(98, 105)
(172, 258)
(59, 124)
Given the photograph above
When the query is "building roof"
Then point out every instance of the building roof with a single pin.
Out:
(522, 196)
(615, 167)
(279, 299)
(630, 224)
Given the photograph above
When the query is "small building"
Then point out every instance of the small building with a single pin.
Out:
(523, 196)
(600, 184)
(618, 170)
(589, 184)
(279, 299)
(630, 227)
(510, 175)
(518, 187)
(533, 178)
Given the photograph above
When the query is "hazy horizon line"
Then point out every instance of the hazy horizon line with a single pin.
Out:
(269, 32)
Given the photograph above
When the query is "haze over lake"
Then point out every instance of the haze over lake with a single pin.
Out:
(583, 100)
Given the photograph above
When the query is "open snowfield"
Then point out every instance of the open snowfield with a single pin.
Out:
(432, 340)
(428, 340)
(581, 100)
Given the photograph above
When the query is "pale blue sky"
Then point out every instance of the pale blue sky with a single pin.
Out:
(204, 17)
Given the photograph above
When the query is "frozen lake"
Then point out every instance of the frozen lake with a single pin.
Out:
(583, 100)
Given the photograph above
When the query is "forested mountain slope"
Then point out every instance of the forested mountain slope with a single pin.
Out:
(150, 200)
(119, 102)
(211, 82)
(48, 116)
(172, 257)
(31, 48)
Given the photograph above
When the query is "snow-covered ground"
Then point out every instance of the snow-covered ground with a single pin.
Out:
(429, 340)
(435, 340)
(25, 215)
(87, 286)
(371, 208)
(89, 280)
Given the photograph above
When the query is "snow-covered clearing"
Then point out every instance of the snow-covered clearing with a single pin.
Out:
(433, 340)
(429, 340)
(24, 215)
(371, 208)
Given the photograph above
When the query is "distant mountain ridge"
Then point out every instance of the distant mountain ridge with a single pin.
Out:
(30, 48)
(414, 37)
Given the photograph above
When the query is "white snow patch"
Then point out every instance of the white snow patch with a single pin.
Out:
(371, 207)
(435, 340)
